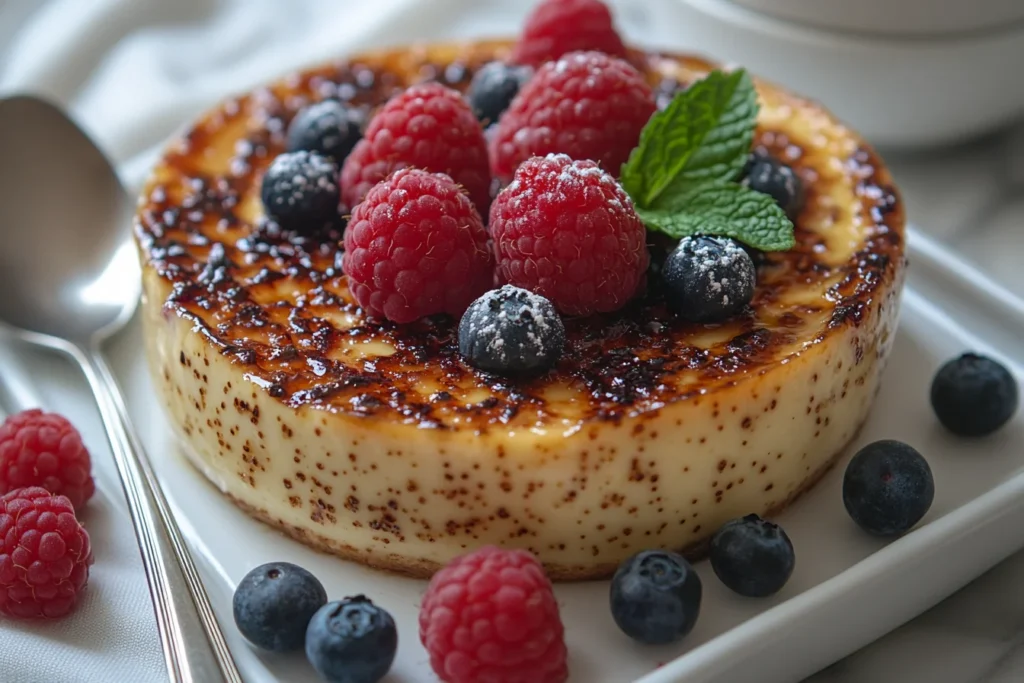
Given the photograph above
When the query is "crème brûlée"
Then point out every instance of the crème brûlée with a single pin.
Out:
(377, 442)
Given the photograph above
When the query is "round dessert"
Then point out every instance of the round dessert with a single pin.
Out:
(380, 443)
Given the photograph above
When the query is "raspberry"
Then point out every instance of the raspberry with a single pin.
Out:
(44, 449)
(559, 26)
(430, 127)
(566, 230)
(44, 554)
(416, 246)
(491, 616)
(587, 105)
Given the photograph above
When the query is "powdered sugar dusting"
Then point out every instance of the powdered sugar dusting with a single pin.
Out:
(511, 329)
(298, 174)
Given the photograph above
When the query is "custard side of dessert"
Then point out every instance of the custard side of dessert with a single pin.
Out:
(378, 443)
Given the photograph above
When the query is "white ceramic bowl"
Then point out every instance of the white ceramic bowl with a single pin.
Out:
(896, 91)
(907, 17)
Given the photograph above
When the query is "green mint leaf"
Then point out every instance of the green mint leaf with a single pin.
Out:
(726, 210)
(703, 135)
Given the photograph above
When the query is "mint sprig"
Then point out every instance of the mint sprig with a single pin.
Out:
(728, 210)
(681, 175)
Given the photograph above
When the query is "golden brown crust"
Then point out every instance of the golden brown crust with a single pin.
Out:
(280, 309)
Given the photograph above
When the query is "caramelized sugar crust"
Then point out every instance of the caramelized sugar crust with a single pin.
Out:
(278, 306)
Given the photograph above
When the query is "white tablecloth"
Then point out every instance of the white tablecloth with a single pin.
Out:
(133, 71)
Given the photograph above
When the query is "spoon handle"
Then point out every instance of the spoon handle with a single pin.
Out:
(194, 647)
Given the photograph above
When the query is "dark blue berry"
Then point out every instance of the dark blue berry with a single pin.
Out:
(888, 488)
(769, 175)
(752, 557)
(328, 128)
(708, 279)
(300, 192)
(274, 603)
(352, 641)
(511, 331)
(655, 597)
(973, 395)
(494, 87)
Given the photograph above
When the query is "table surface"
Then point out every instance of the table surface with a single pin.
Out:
(132, 70)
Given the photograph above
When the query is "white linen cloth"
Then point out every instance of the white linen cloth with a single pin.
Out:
(132, 72)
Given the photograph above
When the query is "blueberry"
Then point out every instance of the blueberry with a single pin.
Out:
(328, 128)
(494, 87)
(973, 395)
(655, 597)
(511, 331)
(300, 192)
(752, 557)
(888, 488)
(708, 279)
(352, 641)
(769, 175)
(274, 603)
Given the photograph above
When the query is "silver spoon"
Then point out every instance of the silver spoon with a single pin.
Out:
(69, 279)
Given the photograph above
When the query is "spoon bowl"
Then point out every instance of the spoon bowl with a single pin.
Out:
(67, 268)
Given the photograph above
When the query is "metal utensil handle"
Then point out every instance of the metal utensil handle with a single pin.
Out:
(194, 647)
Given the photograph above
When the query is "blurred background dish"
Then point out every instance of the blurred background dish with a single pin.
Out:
(896, 17)
(897, 90)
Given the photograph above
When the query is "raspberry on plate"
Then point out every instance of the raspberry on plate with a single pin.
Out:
(415, 247)
(587, 105)
(559, 26)
(566, 230)
(44, 449)
(44, 554)
(491, 616)
(430, 127)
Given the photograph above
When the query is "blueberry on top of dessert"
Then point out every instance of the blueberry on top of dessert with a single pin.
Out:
(328, 128)
(511, 330)
(493, 87)
(708, 279)
(300, 192)
(769, 175)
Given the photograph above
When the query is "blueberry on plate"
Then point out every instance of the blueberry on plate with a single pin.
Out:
(655, 597)
(708, 279)
(973, 395)
(752, 557)
(274, 603)
(772, 177)
(494, 87)
(300, 192)
(352, 641)
(888, 487)
(328, 128)
(511, 331)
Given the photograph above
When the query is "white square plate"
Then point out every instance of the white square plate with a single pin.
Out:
(847, 590)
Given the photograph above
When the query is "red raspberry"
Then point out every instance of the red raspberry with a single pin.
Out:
(428, 126)
(555, 27)
(491, 616)
(587, 105)
(44, 449)
(416, 246)
(566, 230)
(44, 554)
